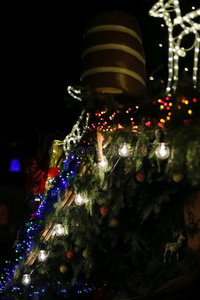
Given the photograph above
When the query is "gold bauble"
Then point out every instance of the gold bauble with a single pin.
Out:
(177, 177)
(63, 269)
(85, 253)
(113, 223)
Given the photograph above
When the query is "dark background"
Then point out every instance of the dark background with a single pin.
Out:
(40, 56)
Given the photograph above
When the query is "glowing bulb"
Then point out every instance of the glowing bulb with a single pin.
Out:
(124, 151)
(58, 230)
(79, 200)
(42, 256)
(162, 151)
(181, 53)
(103, 163)
(26, 279)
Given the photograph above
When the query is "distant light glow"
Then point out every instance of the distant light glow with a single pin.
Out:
(15, 165)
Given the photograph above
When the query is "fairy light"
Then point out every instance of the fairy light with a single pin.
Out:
(26, 279)
(165, 10)
(124, 150)
(162, 151)
(42, 256)
(103, 164)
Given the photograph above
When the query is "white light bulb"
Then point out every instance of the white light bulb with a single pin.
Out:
(103, 163)
(162, 151)
(181, 53)
(58, 230)
(42, 256)
(26, 279)
(79, 200)
(124, 151)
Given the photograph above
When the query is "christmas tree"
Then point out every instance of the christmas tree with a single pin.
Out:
(116, 215)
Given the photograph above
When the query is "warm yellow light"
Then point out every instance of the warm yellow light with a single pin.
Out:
(189, 111)
(162, 106)
(168, 118)
(186, 102)
(137, 107)
(169, 113)
(170, 104)
(162, 121)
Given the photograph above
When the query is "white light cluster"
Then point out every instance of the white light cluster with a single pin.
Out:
(76, 134)
(167, 9)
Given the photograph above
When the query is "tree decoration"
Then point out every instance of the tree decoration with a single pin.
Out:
(166, 10)
(76, 134)
(85, 253)
(162, 151)
(42, 256)
(141, 176)
(101, 248)
(103, 164)
(79, 200)
(124, 150)
(143, 151)
(178, 177)
(58, 230)
(63, 269)
(71, 254)
(26, 279)
(104, 209)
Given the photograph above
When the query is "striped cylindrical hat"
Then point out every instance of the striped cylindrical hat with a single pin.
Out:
(113, 57)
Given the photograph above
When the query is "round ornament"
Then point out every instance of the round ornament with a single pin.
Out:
(143, 151)
(113, 223)
(63, 269)
(177, 177)
(70, 254)
(140, 176)
(85, 253)
(104, 209)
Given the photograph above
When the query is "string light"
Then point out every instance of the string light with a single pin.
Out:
(58, 230)
(162, 151)
(165, 9)
(76, 134)
(42, 256)
(79, 200)
(26, 279)
(103, 164)
(124, 150)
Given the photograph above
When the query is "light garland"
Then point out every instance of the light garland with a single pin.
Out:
(75, 135)
(74, 92)
(163, 9)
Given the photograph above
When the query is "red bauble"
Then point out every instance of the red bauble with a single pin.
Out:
(141, 176)
(104, 209)
(70, 254)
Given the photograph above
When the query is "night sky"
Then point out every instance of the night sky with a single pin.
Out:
(40, 55)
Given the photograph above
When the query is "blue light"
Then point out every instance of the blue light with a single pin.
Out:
(15, 165)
